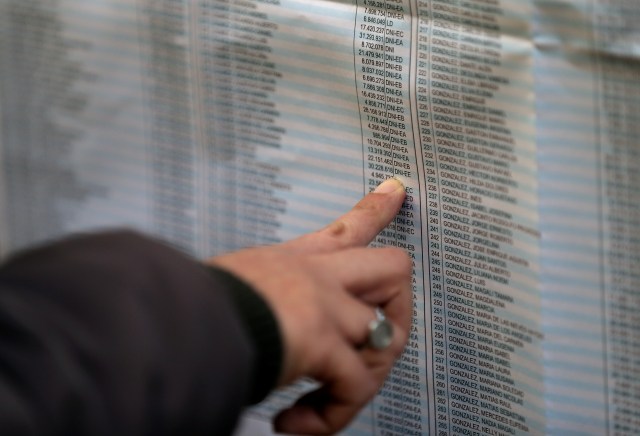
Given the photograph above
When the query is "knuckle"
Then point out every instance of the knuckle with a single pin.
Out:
(400, 261)
(342, 230)
(406, 265)
(337, 228)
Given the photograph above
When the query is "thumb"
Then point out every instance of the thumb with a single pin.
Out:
(360, 225)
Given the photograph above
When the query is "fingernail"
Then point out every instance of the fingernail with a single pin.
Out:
(389, 186)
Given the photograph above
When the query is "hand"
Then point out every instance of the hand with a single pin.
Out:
(324, 288)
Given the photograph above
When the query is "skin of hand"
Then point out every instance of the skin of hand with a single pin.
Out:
(324, 288)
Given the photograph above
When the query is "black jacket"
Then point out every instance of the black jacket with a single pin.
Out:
(115, 334)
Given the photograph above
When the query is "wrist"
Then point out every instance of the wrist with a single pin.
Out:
(261, 326)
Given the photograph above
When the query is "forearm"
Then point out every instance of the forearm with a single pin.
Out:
(115, 333)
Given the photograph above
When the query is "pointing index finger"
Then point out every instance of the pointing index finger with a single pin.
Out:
(360, 225)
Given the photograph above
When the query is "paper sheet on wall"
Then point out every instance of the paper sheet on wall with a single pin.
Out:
(218, 125)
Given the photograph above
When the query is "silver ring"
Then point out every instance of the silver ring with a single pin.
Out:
(380, 332)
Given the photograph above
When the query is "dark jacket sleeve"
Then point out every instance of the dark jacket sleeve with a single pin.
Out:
(117, 334)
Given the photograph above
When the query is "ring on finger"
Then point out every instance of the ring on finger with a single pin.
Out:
(380, 332)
